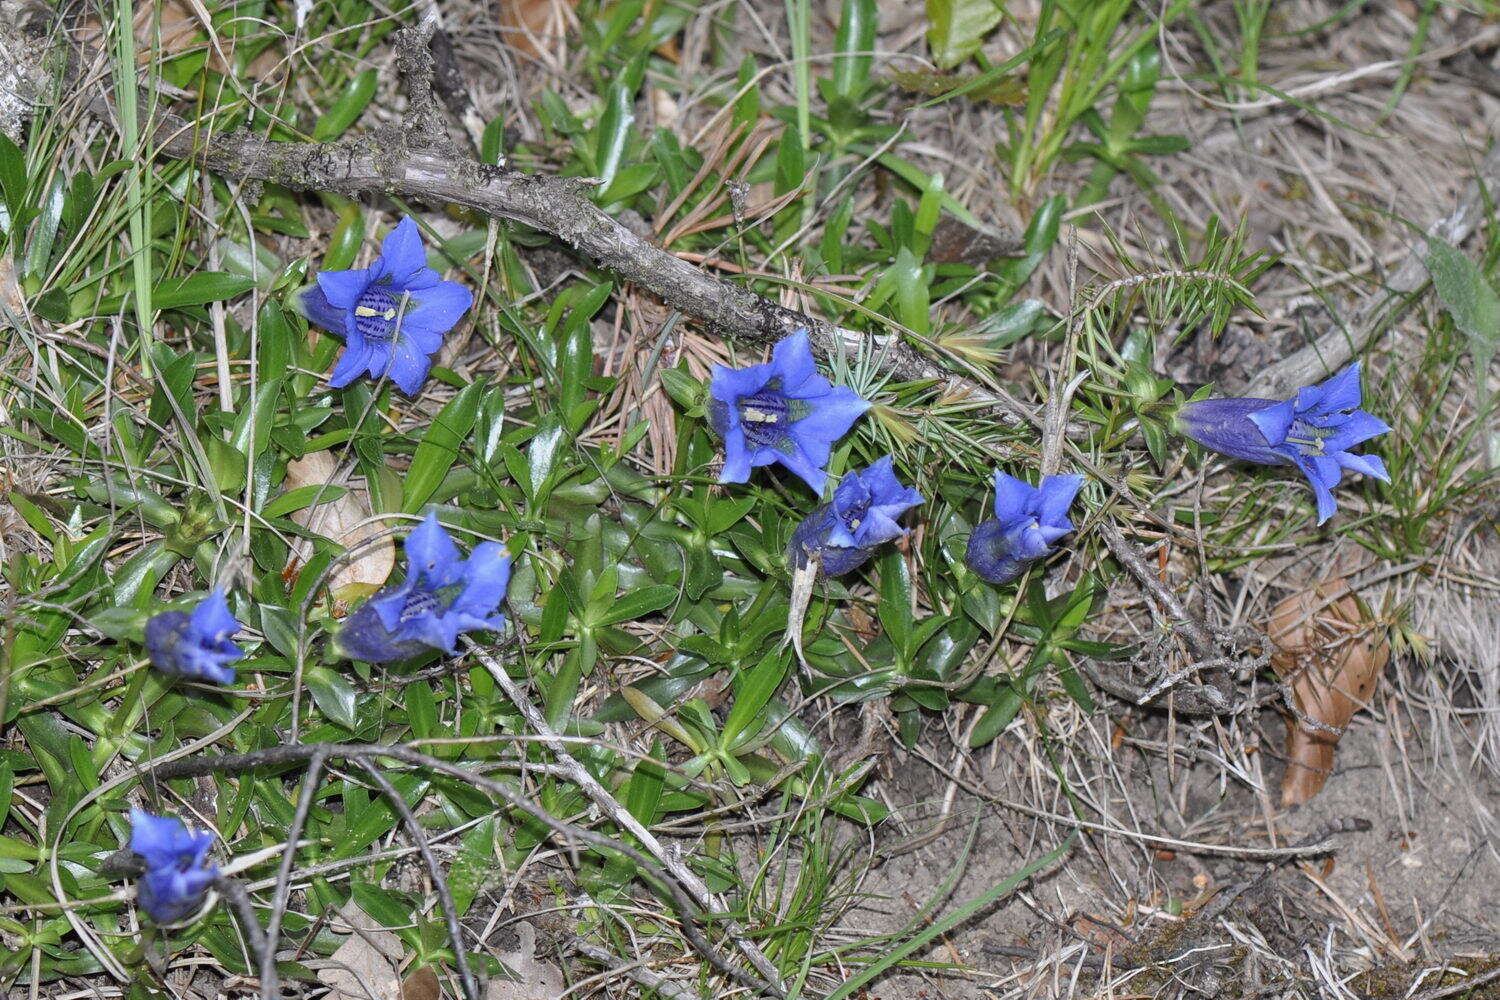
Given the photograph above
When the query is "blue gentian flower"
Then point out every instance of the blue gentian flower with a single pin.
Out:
(442, 596)
(1028, 519)
(844, 532)
(392, 314)
(195, 644)
(782, 411)
(1313, 431)
(176, 873)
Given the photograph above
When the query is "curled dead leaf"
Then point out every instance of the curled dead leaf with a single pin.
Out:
(534, 27)
(345, 519)
(1331, 655)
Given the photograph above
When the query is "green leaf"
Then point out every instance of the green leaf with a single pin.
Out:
(895, 599)
(636, 604)
(199, 289)
(958, 27)
(302, 497)
(421, 711)
(614, 130)
(543, 456)
(350, 105)
(687, 391)
(753, 689)
(854, 43)
(439, 447)
(335, 698)
(1471, 300)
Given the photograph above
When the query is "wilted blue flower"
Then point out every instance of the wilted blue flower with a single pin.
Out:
(195, 644)
(442, 596)
(392, 314)
(844, 532)
(1313, 431)
(782, 411)
(176, 873)
(1027, 521)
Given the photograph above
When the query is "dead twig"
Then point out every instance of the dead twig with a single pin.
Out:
(295, 753)
(417, 160)
(1339, 344)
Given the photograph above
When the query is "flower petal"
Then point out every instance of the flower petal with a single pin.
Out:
(807, 462)
(1357, 428)
(431, 555)
(831, 417)
(1341, 391)
(737, 458)
(342, 289)
(1369, 465)
(1057, 494)
(315, 306)
(212, 618)
(352, 364)
(792, 359)
(401, 253)
(438, 308)
(1274, 422)
(729, 385)
(408, 367)
(1013, 498)
(486, 575)
(1327, 505)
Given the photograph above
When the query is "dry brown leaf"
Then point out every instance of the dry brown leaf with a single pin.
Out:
(364, 967)
(538, 980)
(422, 985)
(533, 27)
(171, 28)
(347, 521)
(1331, 656)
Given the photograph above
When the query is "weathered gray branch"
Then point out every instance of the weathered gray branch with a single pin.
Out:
(1343, 341)
(414, 161)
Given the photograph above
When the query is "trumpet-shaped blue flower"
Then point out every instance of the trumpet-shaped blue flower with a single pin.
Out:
(782, 411)
(443, 596)
(1313, 431)
(177, 874)
(1027, 521)
(195, 644)
(843, 533)
(392, 314)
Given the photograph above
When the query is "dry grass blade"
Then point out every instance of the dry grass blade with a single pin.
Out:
(1330, 655)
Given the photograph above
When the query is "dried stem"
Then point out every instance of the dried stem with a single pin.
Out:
(621, 816)
(289, 753)
(439, 883)
(1340, 343)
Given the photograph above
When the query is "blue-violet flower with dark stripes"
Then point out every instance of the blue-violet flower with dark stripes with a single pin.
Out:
(443, 596)
(782, 411)
(1313, 431)
(392, 314)
(863, 514)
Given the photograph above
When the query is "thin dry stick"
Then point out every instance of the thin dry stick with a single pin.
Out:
(1335, 347)
(418, 161)
(268, 979)
(635, 971)
(289, 753)
(611, 807)
(1198, 637)
(439, 883)
(234, 893)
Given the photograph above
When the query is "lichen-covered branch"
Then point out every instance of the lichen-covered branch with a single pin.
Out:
(416, 161)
